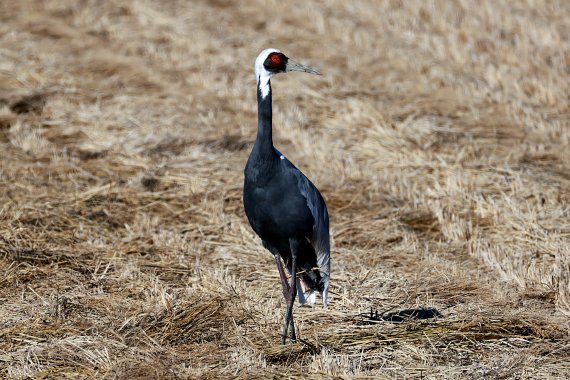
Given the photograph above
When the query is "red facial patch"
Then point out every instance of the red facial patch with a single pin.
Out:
(275, 59)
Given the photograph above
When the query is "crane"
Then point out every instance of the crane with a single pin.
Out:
(283, 207)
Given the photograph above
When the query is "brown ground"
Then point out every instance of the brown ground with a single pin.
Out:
(439, 135)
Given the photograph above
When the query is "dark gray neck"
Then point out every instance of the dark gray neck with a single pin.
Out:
(264, 140)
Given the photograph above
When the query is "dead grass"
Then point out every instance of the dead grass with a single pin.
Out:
(438, 134)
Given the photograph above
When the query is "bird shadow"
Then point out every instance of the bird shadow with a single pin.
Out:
(399, 316)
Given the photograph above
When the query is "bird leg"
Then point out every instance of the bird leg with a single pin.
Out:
(282, 276)
(287, 295)
(292, 293)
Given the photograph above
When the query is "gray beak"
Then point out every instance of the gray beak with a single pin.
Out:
(294, 66)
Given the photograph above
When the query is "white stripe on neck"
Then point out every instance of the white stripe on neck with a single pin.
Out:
(261, 74)
(263, 84)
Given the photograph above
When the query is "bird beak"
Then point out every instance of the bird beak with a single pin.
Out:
(294, 66)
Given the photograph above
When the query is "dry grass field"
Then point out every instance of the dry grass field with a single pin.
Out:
(439, 134)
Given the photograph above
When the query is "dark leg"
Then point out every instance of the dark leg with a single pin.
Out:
(287, 295)
(292, 293)
(282, 276)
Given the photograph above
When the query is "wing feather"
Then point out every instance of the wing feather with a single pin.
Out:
(320, 239)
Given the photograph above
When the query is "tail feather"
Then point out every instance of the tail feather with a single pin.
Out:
(307, 294)
(313, 272)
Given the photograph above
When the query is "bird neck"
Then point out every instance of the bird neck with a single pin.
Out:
(264, 139)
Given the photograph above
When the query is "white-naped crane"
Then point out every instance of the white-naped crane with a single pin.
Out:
(283, 207)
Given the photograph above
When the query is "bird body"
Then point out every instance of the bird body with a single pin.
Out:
(277, 215)
(283, 207)
(269, 206)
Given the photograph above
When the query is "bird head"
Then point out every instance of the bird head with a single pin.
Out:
(270, 62)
